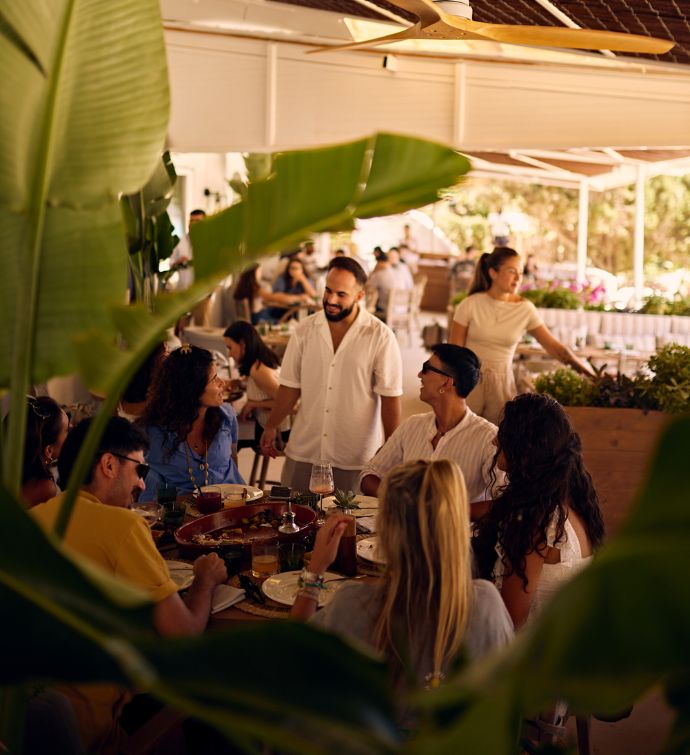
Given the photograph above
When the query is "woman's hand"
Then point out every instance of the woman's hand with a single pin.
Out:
(327, 541)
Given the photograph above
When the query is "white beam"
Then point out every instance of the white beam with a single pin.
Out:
(638, 246)
(582, 229)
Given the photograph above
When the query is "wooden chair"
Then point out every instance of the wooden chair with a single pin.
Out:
(371, 297)
(417, 296)
(243, 310)
(399, 311)
(261, 478)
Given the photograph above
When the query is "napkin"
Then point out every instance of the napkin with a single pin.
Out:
(225, 596)
(366, 524)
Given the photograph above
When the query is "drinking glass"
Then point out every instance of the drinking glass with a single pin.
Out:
(265, 558)
(321, 482)
(291, 556)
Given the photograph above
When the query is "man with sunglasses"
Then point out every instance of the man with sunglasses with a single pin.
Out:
(104, 530)
(451, 431)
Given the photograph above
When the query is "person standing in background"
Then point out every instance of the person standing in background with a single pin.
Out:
(346, 366)
(491, 320)
(183, 254)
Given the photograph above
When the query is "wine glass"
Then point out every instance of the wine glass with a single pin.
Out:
(321, 482)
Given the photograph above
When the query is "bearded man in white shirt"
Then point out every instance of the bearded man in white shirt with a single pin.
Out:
(345, 365)
(451, 431)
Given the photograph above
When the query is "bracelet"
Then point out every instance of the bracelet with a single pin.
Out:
(311, 593)
(311, 579)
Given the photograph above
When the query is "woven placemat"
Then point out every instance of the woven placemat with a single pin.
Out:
(271, 609)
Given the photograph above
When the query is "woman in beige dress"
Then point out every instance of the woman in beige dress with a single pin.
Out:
(491, 321)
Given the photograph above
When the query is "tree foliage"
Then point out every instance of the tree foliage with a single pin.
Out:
(553, 215)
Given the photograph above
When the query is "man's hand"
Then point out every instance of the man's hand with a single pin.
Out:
(247, 410)
(327, 541)
(210, 569)
(267, 442)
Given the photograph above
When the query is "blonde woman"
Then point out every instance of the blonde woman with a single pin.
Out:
(426, 594)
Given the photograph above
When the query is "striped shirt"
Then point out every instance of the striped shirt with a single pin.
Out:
(468, 444)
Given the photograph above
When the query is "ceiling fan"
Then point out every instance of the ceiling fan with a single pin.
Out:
(434, 22)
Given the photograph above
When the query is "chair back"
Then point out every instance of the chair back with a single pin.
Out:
(243, 310)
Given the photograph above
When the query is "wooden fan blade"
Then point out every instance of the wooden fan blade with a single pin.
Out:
(555, 36)
(437, 24)
(413, 32)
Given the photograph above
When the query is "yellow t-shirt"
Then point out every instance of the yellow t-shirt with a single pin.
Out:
(120, 542)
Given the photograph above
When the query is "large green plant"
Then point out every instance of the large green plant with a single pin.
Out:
(85, 107)
(149, 230)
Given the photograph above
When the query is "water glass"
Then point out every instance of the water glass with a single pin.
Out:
(291, 556)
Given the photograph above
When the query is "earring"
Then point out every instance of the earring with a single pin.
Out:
(441, 390)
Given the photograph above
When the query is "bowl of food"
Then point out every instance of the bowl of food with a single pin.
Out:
(241, 526)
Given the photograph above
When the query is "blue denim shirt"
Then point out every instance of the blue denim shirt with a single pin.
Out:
(173, 468)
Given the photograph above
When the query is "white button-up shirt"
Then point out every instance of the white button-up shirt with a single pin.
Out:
(340, 416)
(468, 444)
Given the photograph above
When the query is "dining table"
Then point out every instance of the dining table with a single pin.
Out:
(251, 609)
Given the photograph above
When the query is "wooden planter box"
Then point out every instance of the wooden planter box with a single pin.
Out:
(617, 446)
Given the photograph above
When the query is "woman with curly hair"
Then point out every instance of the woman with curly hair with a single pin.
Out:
(546, 522)
(426, 606)
(193, 434)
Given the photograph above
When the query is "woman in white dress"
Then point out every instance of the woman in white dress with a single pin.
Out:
(546, 522)
(261, 367)
(491, 320)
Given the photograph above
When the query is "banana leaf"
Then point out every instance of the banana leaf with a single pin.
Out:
(84, 107)
(308, 191)
(65, 620)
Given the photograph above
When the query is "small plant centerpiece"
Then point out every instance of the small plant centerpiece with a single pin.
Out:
(345, 500)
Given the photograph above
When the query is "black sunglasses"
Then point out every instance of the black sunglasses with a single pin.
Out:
(142, 469)
(426, 367)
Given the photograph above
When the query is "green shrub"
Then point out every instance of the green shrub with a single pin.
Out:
(567, 387)
(669, 387)
(535, 295)
(458, 298)
(561, 298)
(666, 389)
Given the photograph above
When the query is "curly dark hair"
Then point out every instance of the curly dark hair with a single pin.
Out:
(545, 475)
(178, 385)
(255, 350)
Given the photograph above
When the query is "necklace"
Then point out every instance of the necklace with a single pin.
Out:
(203, 464)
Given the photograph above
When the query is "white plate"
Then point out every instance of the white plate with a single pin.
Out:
(253, 494)
(367, 504)
(283, 587)
(228, 489)
(181, 573)
(368, 550)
